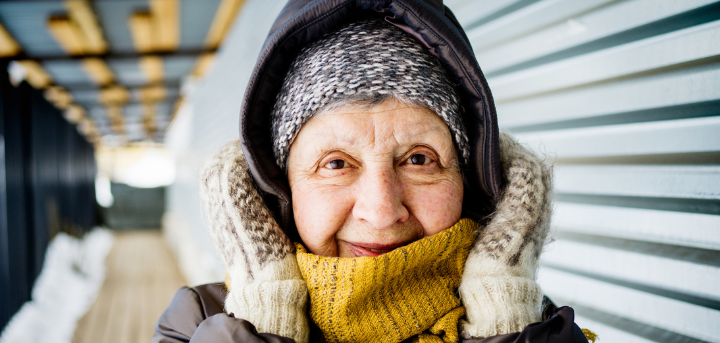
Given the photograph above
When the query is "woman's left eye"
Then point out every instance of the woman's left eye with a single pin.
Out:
(335, 164)
(419, 159)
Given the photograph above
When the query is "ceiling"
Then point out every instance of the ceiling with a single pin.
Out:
(115, 67)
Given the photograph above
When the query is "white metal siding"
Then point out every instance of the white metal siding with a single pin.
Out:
(208, 120)
(624, 96)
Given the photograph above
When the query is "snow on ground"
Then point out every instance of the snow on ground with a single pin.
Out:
(73, 272)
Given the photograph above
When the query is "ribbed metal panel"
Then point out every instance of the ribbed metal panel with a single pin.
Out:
(196, 17)
(208, 120)
(624, 97)
(177, 67)
(128, 72)
(26, 22)
(67, 72)
(113, 17)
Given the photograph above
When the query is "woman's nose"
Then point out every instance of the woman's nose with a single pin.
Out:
(379, 199)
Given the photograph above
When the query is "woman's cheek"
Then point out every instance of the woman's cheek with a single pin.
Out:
(319, 213)
(437, 207)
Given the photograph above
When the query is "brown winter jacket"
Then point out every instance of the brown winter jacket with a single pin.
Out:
(196, 315)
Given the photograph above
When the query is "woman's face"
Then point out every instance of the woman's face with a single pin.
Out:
(366, 181)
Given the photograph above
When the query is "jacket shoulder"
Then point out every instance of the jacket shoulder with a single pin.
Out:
(188, 308)
(558, 326)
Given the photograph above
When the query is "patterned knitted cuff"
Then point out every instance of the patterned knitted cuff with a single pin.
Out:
(498, 305)
(276, 307)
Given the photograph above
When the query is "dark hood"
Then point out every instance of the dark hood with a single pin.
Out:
(303, 21)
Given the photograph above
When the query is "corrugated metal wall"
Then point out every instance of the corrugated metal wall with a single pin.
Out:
(624, 96)
(203, 124)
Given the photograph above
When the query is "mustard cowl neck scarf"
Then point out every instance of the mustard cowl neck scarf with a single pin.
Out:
(408, 293)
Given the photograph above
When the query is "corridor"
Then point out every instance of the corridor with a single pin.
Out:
(142, 278)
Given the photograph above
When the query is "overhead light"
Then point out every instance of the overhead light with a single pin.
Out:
(140, 24)
(67, 34)
(166, 24)
(98, 71)
(226, 13)
(114, 96)
(82, 15)
(35, 74)
(153, 68)
(8, 45)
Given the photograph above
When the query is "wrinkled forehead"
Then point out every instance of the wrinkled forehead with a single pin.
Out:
(384, 127)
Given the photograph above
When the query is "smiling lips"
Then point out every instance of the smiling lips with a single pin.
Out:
(372, 250)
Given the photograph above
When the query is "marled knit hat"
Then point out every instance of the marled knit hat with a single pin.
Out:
(366, 58)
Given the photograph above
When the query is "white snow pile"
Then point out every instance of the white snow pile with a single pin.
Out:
(72, 274)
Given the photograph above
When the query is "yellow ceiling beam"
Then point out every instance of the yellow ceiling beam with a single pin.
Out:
(145, 38)
(166, 23)
(67, 34)
(81, 14)
(79, 33)
(35, 74)
(114, 96)
(149, 121)
(140, 24)
(74, 113)
(203, 64)
(87, 127)
(98, 71)
(153, 68)
(224, 17)
(8, 45)
(176, 107)
(152, 94)
(114, 113)
(60, 97)
(158, 29)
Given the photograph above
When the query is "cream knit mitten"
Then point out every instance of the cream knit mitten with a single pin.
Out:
(498, 287)
(266, 287)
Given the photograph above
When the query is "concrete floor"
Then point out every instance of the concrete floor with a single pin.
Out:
(142, 278)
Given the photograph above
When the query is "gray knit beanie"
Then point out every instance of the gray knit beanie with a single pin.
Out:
(363, 59)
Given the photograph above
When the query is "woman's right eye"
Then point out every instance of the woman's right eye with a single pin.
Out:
(335, 164)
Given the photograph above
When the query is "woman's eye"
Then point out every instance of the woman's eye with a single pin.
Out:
(335, 164)
(419, 159)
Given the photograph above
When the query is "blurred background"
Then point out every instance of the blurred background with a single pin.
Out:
(110, 107)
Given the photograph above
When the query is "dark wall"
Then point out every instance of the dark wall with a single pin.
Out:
(47, 175)
(135, 208)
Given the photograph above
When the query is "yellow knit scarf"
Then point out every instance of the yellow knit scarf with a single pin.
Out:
(410, 292)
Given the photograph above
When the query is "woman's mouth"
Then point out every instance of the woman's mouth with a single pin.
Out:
(372, 250)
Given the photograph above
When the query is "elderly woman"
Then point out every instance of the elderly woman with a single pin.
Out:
(370, 197)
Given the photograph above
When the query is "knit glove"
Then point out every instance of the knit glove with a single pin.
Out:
(266, 287)
(498, 287)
